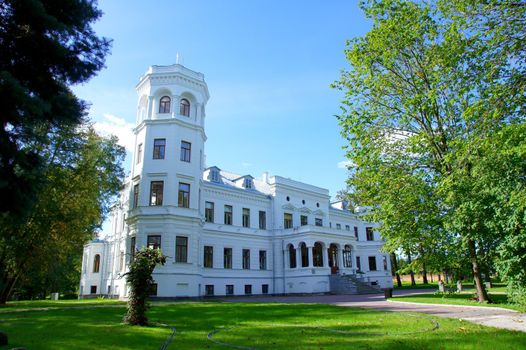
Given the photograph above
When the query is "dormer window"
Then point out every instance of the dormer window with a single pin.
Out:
(247, 183)
(184, 107)
(214, 175)
(164, 104)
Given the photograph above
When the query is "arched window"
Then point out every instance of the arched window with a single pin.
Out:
(164, 104)
(317, 255)
(96, 263)
(347, 260)
(304, 255)
(292, 256)
(185, 107)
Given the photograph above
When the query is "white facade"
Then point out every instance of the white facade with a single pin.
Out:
(268, 235)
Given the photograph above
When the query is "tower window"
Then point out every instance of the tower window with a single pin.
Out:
(159, 146)
(214, 175)
(303, 220)
(185, 151)
(184, 107)
(287, 220)
(369, 233)
(247, 183)
(96, 263)
(164, 104)
(156, 192)
(184, 195)
(318, 222)
(135, 195)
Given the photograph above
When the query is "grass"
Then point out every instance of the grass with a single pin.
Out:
(31, 304)
(497, 287)
(463, 298)
(265, 326)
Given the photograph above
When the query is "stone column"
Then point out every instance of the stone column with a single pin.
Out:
(310, 258)
(198, 112)
(340, 258)
(176, 105)
(298, 257)
(325, 255)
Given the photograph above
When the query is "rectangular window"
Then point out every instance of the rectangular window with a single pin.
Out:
(246, 217)
(372, 263)
(384, 260)
(133, 241)
(287, 220)
(209, 289)
(347, 228)
(369, 233)
(139, 153)
(209, 211)
(135, 196)
(303, 220)
(154, 242)
(338, 226)
(318, 222)
(347, 257)
(159, 146)
(153, 290)
(227, 258)
(264, 289)
(229, 289)
(93, 289)
(228, 215)
(181, 249)
(358, 264)
(248, 289)
(184, 195)
(262, 259)
(262, 220)
(246, 259)
(208, 256)
(156, 192)
(356, 232)
(185, 151)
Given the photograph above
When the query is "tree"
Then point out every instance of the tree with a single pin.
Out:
(415, 110)
(46, 47)
(83, 173)
(139, 279)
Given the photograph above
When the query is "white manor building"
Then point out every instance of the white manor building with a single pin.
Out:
(223, 233)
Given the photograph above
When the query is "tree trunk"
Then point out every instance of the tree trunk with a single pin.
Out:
(482, 294)
(394, 262)
(424, 273)
(7, 288)
(413, 282)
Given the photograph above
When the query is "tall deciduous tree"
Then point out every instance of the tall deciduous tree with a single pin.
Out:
(46, 46)
(416, 107)
(83, 173)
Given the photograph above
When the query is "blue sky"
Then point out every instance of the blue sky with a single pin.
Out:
(268, 66)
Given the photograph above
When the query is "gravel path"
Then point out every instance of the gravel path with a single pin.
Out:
(487, 316)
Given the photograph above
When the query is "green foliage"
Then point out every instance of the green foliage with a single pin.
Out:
(46, 46)
(42, 251)
(430, 89)
(140, 280)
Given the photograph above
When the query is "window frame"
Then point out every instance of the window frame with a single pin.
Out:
(159, 148)
(287, 221)
(304, 220)
(156, 194)
(246, 259)
(181, 250)
(96, 263)
(227, 258)
(263, 260)
(369, 233)
(153, 244)
(135, 199)
(186, 151)
(208, 256)
(292, 256)
(262, 220)
(318, 222)
(165, 104)
(139, 154)
(227, 215)
(184, 107)
(183, 196)
(373, 259)
(209, 211)
(246, 217)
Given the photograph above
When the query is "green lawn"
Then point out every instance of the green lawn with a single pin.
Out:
(464, 298)
(31, 304)
(497, 287)
(262, 326)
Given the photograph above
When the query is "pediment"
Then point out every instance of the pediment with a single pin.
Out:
(305, 210)
(319, 212)
(288, 206)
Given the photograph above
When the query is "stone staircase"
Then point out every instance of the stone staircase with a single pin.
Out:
(349, 284)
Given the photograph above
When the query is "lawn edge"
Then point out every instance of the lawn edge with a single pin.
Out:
(454, 305)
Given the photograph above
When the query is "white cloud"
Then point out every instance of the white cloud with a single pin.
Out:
(345, 164)
(113, 125)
